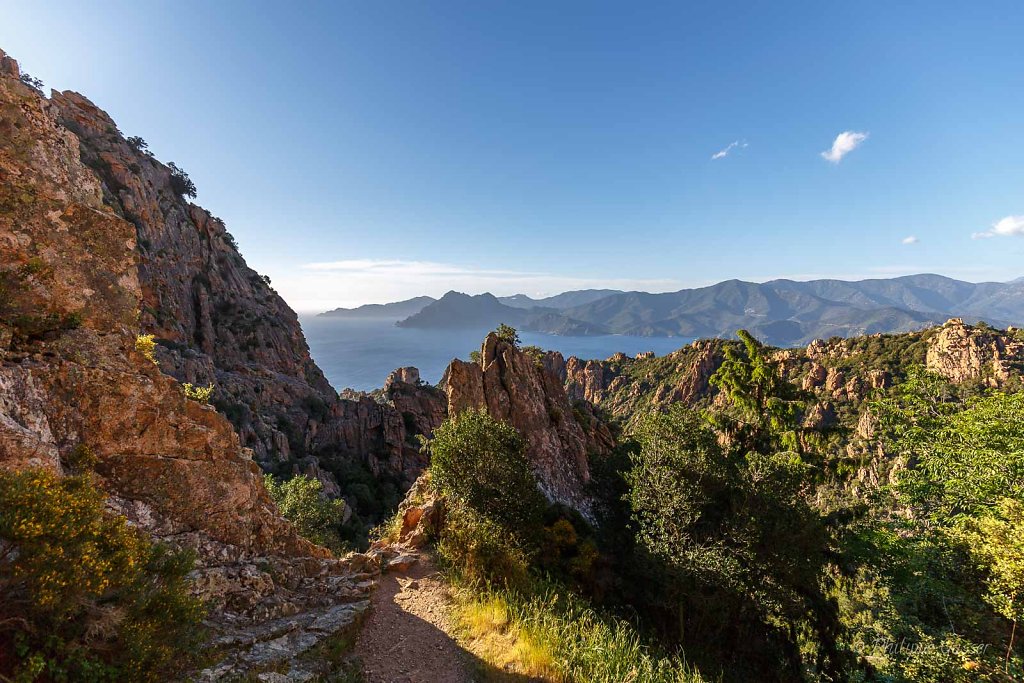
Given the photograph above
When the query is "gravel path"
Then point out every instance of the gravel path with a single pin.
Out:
(404, 638)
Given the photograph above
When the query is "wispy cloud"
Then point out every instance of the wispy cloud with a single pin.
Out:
(911, 239)
(722, 153)
(1010, 226)
(327, 284)
(845, 142)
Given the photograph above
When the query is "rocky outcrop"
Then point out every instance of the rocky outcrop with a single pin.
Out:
(965, 353)
(516, 387)
(586, 379)
(621, 384)
(382, 433)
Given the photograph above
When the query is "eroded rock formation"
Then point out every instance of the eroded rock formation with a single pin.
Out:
(518, 388)
(966, 353)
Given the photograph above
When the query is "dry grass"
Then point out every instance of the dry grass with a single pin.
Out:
(557, 638)
(487, 631)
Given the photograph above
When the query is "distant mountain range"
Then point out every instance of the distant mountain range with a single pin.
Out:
(781, 312)
(398, 310)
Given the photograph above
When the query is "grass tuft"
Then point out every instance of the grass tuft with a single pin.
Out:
(559, 638)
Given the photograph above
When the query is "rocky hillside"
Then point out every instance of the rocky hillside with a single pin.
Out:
(840, 373)
(73, 387)
(217, 321)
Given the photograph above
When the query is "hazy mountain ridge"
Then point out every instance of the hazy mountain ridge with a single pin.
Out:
(569, 299)
(782, 312)
(397, 310)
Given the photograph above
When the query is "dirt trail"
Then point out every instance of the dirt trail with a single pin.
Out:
(405, 637)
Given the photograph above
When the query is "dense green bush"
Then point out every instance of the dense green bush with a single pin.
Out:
(479, 550)
(939, 586)
(482, 462)
(84, 596)
(495, 510)
(741, 553)
(301, 500)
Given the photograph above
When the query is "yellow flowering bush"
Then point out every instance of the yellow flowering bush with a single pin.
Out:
(197, 393)
(83, 595)
(146, 345)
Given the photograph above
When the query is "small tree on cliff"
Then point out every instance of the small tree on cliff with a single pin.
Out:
(765, 408)
(180, 182)
(507, 333)
(32, 82)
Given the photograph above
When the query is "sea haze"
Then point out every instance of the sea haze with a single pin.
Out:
(359, 354)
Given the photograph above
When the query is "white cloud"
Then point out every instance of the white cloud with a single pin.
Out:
(324, 285)
(845, 142)
(722, 153)
(912, 239)
(1010, 226)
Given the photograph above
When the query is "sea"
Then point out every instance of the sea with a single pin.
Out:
(359, 353)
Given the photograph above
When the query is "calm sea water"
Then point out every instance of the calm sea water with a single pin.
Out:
(359, 354)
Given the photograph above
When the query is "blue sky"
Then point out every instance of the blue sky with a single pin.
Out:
(371, 151)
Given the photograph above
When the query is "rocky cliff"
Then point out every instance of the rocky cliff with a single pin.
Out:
(217, 321)
(520, 388)
(71, 375)
(75, 388)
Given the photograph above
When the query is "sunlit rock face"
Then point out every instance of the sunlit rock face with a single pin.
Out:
(518, 388)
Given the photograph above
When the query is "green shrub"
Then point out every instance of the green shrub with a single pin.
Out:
(536, 354)
(479, 466)
(300, 499)
(196, 393)
(480, 550)
(84, 596)
(507, 333)
(481, 462)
